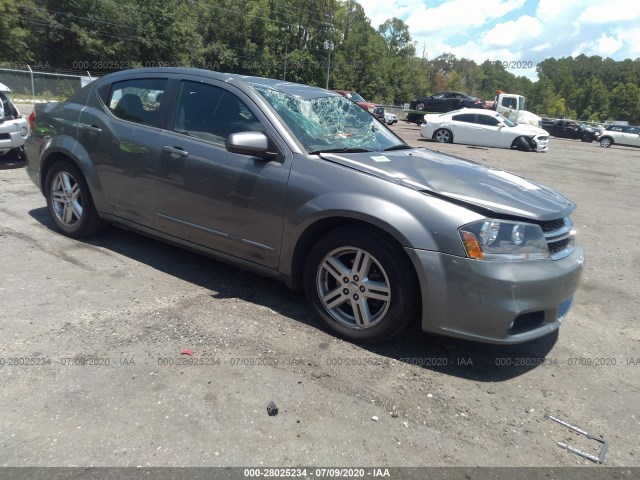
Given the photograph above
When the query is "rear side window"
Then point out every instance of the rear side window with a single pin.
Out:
(466, 117)
(212, 113)
(137, 100)
(488, 120)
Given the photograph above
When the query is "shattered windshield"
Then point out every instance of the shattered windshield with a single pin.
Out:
(330, 123)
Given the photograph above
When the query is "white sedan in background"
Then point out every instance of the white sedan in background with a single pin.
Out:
(474, 126)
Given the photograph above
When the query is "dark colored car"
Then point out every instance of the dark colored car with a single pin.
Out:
(445, 102)
(563, 128)
(302, 185)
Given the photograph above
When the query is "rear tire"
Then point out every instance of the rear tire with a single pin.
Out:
(69, 201)
(443, 135)
(606, 142)
(360, 283)
(421, 106)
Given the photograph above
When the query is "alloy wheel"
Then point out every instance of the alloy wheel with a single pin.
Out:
(353, 287)
(66, 198)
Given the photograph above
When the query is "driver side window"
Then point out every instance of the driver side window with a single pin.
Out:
(211, 113)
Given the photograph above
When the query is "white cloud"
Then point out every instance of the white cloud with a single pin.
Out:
(456, 16)
(611, 11)
(513, 31)
(604, 46)
(517, 30)
(631, 39)
(541, 47)
(379, 12)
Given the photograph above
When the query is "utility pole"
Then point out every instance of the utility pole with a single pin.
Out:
(328, 45)
(286, 54)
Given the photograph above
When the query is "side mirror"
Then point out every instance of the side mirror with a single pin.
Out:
(249, 143)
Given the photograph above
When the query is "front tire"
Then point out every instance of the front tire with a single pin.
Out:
(443, 136)
(521, 143)
(361, 285)
(69, 201)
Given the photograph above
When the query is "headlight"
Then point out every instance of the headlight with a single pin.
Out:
(500, 240)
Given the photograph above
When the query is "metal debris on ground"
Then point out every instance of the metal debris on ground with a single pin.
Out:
(588, 456)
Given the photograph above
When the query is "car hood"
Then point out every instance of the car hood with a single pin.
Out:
(478, 187)
(527, 129)
(367, 105)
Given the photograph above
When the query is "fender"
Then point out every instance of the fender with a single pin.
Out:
(408, 226)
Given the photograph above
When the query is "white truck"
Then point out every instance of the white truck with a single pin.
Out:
(14, 127)
(513, 107)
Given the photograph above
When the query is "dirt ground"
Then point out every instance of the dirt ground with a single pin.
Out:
(91, 333)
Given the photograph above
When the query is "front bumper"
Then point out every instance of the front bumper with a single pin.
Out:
(13, 134)
(541, 144)
(495, 302)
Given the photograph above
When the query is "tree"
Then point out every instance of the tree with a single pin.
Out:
(13, 40)
(625, 103)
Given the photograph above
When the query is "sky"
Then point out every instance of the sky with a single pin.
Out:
(514, 31)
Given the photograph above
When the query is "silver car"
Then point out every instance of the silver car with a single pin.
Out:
(302, 185)
(14, 127)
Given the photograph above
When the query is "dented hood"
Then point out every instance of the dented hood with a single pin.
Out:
(461, 181)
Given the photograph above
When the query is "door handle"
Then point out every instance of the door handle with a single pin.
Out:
(92, 128)
(175, 152)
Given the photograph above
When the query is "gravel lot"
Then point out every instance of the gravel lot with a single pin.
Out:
(91, 335)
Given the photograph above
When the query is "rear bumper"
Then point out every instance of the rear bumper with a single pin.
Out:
(495, 302)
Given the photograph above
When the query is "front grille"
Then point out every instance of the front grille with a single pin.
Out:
(559, 236)
(5, 136)
(551, 225)
(555, 247)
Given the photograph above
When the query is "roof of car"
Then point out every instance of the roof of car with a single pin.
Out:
(297, 89)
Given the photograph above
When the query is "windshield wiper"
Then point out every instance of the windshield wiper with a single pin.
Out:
(340, 150)
(398, 147)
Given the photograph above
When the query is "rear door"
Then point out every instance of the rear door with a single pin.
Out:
(631, 136)
(229, 202)
(438, 103)
(464, 128)
(119, 129)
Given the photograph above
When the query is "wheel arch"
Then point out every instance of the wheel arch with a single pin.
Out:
(319, 227)
(448, 129)
(66, 148)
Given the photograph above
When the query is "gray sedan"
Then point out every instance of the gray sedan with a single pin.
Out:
(302, 185)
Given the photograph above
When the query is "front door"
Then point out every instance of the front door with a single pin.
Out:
(229, 202)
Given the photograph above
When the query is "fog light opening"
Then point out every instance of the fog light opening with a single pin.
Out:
(526, 322)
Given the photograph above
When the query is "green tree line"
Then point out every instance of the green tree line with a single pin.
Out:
(286, 39)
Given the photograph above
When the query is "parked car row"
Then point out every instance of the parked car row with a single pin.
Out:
(564, 128)
(302, 185)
